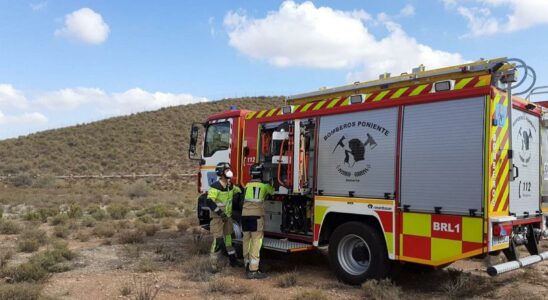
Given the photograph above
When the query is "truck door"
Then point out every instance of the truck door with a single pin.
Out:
(217, 147)
(525, 185)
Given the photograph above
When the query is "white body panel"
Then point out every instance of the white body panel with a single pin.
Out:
(525, 187)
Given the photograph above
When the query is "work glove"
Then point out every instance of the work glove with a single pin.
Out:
(221, 214)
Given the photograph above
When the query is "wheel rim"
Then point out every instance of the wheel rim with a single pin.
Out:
(354, 254)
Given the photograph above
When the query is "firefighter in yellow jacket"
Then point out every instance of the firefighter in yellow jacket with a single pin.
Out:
(253, 221)
(219, 201)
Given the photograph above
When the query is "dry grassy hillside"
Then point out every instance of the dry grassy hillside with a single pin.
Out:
(149, 142)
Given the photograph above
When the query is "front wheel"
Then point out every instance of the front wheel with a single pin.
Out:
(357, 252)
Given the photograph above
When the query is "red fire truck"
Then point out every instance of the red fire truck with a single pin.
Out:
(427, 167)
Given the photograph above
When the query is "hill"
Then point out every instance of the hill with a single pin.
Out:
(148, 142)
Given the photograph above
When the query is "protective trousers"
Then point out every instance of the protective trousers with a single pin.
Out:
(222, 233)
(253, 240)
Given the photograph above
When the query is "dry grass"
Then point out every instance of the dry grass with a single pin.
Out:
(287, 280)
(381, 290)
(200, 268)
(147, 265)
(227, 287)
(145, 288)
(131, 236)
(20, 291)
(9, 227)
(311, 295)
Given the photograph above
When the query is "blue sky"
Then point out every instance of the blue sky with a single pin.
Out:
(69, 62)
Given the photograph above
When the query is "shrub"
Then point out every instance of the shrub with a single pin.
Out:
(131, 236)
(167, 223)
(312, 295)
(61, 231)
(75, 211)
(381, 290)
(28, 246)
(226, 287)
(20, 291)
(45, 181)
(104, 230)
(183, 225)
(126, 290)
(99, 215)
(117, 211)
(49, 260)
(201, 242)
(35, 234)
(147, 265)
(5, 256)
(1, 212)
(22, 180)
(41, 214)
(161, 211)
(88, 221)
(138, 189)
(82, 236)
(25, 272)
(146, 289)
(146, 219)
(287, 280)
(149, 229)
(9, 227)
(59, 219)
(200, 268)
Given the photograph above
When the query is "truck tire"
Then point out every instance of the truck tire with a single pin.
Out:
(357, 252)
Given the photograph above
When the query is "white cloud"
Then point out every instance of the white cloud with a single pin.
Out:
(321, 37)
(131, 101)
(68, 99)
(86, 26)
(38, 6)
(211, 23)
(407, 11)
(522, 14)
(27, 119)
(11, 97)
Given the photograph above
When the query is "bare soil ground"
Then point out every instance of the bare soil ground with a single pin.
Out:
(154, 249)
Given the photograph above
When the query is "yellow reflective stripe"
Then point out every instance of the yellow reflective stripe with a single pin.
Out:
(418, 90)
(483, 80)
(417, 224)
(399, 92)
(333, 102)
(261, 113)
(381, 95)
(296, 108)
(462, 83)
(319, 105)
(271, 112)
(306, 107)
(345, 102)
(472, 230)
(250, 115)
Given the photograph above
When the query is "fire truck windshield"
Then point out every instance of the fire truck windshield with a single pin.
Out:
(217, 138)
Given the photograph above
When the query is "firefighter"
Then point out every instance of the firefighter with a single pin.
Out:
(219, 201)
(253, 221)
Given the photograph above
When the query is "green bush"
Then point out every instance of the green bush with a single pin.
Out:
(104, 230)
(22, 180)
(149, 229)
(117, 211)
(138, 189)
(161, 211)
(31, 240)
(61, 231)
(75, 211)
(20, 291)
(9, 227)
(41, 214)
(49, 260)
(59, 219)
(28, 245)
(26, 272)
(131, 237)
(88, 221)
(46, 181)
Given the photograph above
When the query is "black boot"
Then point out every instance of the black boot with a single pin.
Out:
(234, 262)
(256, 275)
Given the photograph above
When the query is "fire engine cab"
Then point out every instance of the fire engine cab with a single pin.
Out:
(427, 167)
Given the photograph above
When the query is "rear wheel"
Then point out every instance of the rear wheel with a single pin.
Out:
(357, 252)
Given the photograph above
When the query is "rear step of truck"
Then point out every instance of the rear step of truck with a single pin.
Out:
(517, 264)
(283, 245)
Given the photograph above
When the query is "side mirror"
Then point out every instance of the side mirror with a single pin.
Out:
(194, 132)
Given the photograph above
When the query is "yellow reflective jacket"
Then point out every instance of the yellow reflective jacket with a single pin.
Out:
(222, 197)
(255, 194)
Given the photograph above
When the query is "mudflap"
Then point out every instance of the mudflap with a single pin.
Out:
(532, 240)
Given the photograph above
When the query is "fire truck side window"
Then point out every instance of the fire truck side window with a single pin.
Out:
(217, 138)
